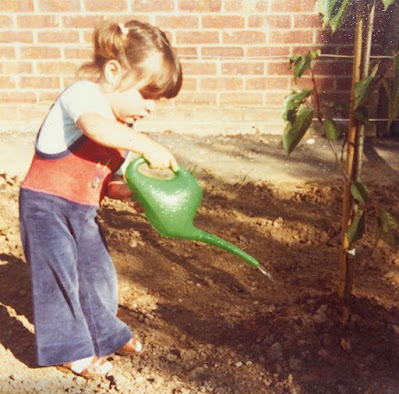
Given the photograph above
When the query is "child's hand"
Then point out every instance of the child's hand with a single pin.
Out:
(118, 190)
(161, 159)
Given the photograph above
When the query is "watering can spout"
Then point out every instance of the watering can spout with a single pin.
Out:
(211, 239)
(171, 204)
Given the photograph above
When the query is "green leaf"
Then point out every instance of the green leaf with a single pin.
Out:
(334, 12)
(331, 129)
(387, 3)
(301, 64)
(343, 11)
(325, 8)
(294, 132)
(359, 192)
(364, 88)
(388, 225)
(314, 53)
(292, 103)
(389, 222)
(356, 229)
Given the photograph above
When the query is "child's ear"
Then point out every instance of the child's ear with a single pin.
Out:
(113, 73)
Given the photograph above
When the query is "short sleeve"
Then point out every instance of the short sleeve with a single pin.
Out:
(83, 97)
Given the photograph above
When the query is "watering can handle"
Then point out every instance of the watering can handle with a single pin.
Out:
(137, 162)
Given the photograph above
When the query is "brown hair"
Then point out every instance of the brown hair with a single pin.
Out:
(140, 48)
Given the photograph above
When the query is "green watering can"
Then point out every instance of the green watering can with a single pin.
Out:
(171, 204)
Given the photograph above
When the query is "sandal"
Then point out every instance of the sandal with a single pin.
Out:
(88, 368)
(131, 348)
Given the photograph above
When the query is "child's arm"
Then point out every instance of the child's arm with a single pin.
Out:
(117, 135)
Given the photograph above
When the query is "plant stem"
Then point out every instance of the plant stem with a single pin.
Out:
(347, 256)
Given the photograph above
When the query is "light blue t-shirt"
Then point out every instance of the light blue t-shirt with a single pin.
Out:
(59, 129)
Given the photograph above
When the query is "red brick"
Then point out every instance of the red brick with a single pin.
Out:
(221, 83)
(244, 37)
(40, 52)
(57, 68)
(7, 52)
(291, 37)
(59, 6)
(196, 98)
(16, 36)
(7, 83)
(283, 51)
(8, 112)
(267, 82)
(275, 99)
(88, 36)
(223, 21)
(59, 36)
(343, 83)
(221, 51)
(190, 84)
(152, 5)
(177, 22)
(105, 5)
(293, 6)
(279, 68)
(199, 68)
(307, 21)
(262, 5)
(33, 112)
(322, 83)
(304, 49)
(37, 21)
(48, 97)
(197, 37)
(200, 5)
(6, 21)
(189, 52)
(241, 99)
(78, 53)
(243, 68)
(16, 6)
(269, 21)
(81, 21)
(17, 96)
(40, 82)
(15, 67)
(233, 5)
(333, 67)
(341, 36)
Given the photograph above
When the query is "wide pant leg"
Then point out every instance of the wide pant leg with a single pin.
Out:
(98, 292)
(73, 280)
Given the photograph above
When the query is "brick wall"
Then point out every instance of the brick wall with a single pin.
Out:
(235, 55)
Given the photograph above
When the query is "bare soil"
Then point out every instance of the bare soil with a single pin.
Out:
(210, 322)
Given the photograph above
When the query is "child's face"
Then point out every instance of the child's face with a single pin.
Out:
(123, 93)
(129, 105)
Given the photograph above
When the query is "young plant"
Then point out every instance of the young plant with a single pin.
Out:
(299, 113)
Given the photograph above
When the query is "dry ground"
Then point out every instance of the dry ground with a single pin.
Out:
(211, 323)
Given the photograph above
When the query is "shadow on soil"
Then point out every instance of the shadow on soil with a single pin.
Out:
(16, 302)
(240, 317)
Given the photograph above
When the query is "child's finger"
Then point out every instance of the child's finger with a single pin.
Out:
(173, 165)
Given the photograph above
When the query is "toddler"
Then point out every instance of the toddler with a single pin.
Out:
(80, 146)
